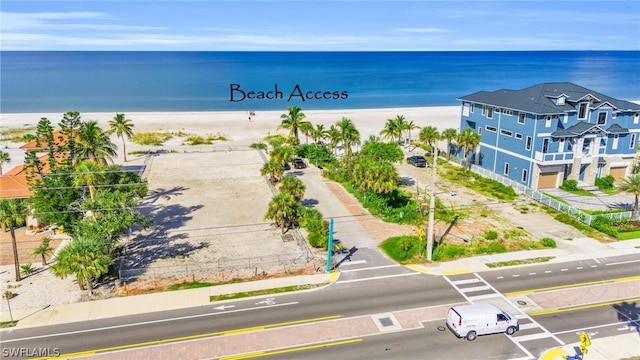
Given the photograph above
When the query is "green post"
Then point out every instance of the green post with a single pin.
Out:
(330, 245)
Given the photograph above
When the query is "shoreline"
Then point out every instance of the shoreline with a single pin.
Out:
(368, 121)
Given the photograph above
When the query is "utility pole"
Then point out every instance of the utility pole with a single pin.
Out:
(432, 205)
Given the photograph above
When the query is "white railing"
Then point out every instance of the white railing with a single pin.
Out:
(552, 157)
(547, 200)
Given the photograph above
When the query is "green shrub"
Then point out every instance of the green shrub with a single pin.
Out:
(605, 182)
(317, 228)
(569, 185)
(317, 154)
(605, 225)
(259, 146)
(151, 138)
(548, 242)
(27, 269)
(402, 248)
(491, 235)
(495, 247)
(446, 251)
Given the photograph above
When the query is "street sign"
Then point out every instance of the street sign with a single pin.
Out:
(584, 340)
(584, 350)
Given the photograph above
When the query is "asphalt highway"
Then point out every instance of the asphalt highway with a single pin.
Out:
(386, 289)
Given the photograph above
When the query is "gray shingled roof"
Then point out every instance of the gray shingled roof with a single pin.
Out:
(537, 99)
(582, 127)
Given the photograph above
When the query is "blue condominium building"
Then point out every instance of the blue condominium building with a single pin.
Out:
(547, 133)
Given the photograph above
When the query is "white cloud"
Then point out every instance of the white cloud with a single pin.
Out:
(54, 21)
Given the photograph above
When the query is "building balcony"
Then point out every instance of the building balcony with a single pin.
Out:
(562, 158)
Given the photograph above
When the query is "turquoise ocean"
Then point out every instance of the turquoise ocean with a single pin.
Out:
(212, 81)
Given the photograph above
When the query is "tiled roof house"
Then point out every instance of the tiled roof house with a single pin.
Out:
(546, 133)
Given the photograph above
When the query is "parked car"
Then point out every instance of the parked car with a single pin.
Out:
(286, 166)
(417, 160)
(299, 163)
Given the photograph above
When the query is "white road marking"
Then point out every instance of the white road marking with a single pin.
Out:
(529, 326)
(516, 275)
(481, 297)
(371, 268)
(147, 322)
(591, 327)
(564, 269)
(377, 277)
(530, 337)
(547, 271)
(579, 268)
(594, 265)
(353, 262)
(500, 277)
(465, 281)
(532, 273)
(475, 288)
(622, 262)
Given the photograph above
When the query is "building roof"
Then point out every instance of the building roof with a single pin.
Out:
(13, 185)
(583, 127)
(59, 139)
(538, 99)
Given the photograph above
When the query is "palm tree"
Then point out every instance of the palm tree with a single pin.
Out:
(4, 157)
(93, 143)
(282, 210)
(12, 214)
(306, 127)
(273, 169)
(121, 127)
(429, 135)
(377, 176)
(294, 187)
(293, 121)
(449, 135)
(333, 134)
(85, 259)
(281, 154)
(318, 133)
(348, 135)
(408, 127)
(468, 140)
(393, 128)
(88, 174)
(631, 184)
(43, 250)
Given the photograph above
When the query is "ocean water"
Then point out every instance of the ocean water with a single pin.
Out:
(212, 81)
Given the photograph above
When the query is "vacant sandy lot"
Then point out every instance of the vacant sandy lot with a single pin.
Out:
(207, 209)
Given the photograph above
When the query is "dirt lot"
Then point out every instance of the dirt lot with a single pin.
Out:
(208, 212)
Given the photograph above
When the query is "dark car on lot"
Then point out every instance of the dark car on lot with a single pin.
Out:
(417, 160)
(299, 163)
(286, 166)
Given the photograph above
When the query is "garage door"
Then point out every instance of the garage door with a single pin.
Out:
(618, 173)
(547, 180)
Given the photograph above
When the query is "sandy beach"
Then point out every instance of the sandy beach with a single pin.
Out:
(236, 124)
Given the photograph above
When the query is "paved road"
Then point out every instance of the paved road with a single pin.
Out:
(409, 296)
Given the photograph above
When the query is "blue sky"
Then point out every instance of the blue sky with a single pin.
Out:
(320, 25)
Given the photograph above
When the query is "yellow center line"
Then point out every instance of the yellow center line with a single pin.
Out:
(192, 337)
(579, 307)
(289, 350)
(598, 282)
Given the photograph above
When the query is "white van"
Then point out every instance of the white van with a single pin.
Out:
(469, 321)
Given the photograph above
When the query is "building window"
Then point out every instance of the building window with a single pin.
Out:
(565, 118)
(561, 100)
(614, 144)
(602, 118)
(507, 112)
(582, 111)
(545, 145)
(490, 113)
(491, 128)
(632, 144)
(479, 130)
(484, 110)
(524, 175)
(521, 117)
(518, 136)
(636, 118)
(527, 144)
(547, 121)
(506, 168)
(506, 132)
(561, 145)
(472, 106)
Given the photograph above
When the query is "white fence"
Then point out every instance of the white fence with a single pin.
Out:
(547, 200)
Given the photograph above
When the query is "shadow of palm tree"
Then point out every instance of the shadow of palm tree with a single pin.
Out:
(309, 202)
(165, 194)
(629, 313)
